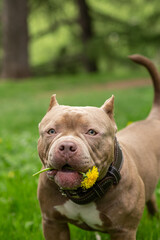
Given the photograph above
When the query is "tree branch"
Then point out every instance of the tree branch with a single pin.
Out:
(53, 28)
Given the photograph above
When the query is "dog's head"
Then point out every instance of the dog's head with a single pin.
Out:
(74, 139)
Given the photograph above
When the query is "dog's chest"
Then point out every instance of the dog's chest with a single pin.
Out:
(87, 214)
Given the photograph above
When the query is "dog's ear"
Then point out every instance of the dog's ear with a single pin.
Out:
(53, 102)
(108, 107)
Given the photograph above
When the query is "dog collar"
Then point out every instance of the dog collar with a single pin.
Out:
(113, 176)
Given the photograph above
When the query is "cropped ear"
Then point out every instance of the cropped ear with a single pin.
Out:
(53, 102)
(108, 107)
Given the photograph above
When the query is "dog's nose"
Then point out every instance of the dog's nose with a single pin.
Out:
(67, 148)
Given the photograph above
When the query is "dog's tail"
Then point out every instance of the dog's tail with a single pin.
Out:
(155, 111)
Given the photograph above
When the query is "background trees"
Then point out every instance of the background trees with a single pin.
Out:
(76, 35)
(15, 39)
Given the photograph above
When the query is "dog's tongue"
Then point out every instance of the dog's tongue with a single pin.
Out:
(68, 179)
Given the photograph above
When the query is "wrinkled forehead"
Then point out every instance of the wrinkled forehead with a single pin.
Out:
(75, 116)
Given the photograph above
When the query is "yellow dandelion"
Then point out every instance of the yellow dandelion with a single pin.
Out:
(129, 123)
(90, 178)
(11, 174)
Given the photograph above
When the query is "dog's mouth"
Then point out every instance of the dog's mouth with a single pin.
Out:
(66, 177)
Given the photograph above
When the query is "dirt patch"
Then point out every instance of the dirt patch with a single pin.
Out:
(129, 84)
(123, 84)
(115, 85)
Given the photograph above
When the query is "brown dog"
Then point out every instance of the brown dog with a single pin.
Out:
(73, 140)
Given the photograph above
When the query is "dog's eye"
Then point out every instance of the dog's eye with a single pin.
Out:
(91, 132)
(51, 131)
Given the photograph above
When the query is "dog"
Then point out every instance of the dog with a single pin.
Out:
(73, 140)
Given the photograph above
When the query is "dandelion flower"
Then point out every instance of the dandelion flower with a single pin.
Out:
(11, 174)
(130, 122)
(90, 178)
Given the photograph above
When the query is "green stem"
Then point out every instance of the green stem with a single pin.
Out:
(47, 169)
(41, 171)
(84, 174)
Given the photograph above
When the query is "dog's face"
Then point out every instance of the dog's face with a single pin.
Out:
(74, 139)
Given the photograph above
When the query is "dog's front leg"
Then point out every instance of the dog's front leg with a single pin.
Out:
(55, 231)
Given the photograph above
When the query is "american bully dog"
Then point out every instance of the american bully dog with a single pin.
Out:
(72, 141)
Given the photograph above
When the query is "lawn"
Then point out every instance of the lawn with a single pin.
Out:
(23, 104)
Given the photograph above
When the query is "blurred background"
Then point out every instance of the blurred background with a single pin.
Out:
(77, 49)
(46, 36)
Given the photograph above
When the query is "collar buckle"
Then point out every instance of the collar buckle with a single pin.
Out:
(115, 174)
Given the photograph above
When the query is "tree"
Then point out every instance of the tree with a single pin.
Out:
(15, 39)
(87, 34)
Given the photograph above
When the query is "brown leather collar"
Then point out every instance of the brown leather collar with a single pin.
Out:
(113, 176)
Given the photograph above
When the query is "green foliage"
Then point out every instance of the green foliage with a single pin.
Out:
(121, 28)
(23, 104)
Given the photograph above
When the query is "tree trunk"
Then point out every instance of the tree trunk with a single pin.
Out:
(87, 34)
(15, 39)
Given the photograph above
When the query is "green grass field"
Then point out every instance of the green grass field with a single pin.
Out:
(22, 105)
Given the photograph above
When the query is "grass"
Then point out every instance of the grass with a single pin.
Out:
(23, 104)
